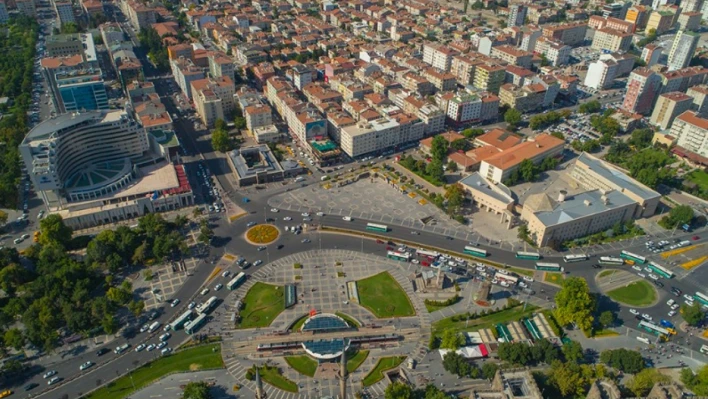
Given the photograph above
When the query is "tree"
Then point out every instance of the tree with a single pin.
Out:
(196, 390)
(472, 133)
(435, 171)
(698, 383)
(438, 148)
(451, 339)
(523, 232)
(641, 138)
(14, 339)
(489, 370)
(69, 28)
(136, 307)
(240, 123)
(53, 230)
(460, 145)
(452, 166)
(643, 381)
(575, 303)
(109, 324)
(678, 216)
(220, 141)
(398, 390)
(572, 351)
(205, 234)
(512, 117)
(590, 107)
(527, 170)
(455, 363)
(607, 318)
(455, 196)
(625, 360)
(3, 217)
(118, 295)
(692, 314)
(568, 378)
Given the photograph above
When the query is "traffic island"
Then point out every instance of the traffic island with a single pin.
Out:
(262, 234)
(261, 305)
(638, 293)
(384, 297)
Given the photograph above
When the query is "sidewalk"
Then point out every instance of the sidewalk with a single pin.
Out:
(129, 222)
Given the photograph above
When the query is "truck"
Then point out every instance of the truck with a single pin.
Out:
(154, 326)
(121, 349)
(347, 218)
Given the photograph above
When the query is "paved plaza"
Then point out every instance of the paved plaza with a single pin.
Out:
(322, 288)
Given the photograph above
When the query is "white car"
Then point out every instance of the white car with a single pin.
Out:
(144, 328)
(287, 218)
(415, 261)
(647, 269)
(166, 351)
(161, 345)
(689, 303)
(86, 365)
(688, 297)
(205, 291)
(274, 210)
(226, 274)
(218, 287)
(642, 275)
(634, 311)
(174, 303)
(256, 263)
(529, 279)
(670, 302)
(647, 317)
(140, 347)
(53, 380)
(192, 305)
(49, 373)
(480, 268)
(165, 337)
(653, 276)
(637, 268)
(675, 306)
(150, 347)
(504, 284)
(305, 215)
(672, 313)
(522, 284)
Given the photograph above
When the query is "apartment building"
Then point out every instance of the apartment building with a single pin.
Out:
(660, 21)
(513, 56)
(597, 22)
(64, 11)
(517, 15)
(463, 67)
(489, 77)
(683, 49)
(572, 34)
(642, 88)
(221, 65)
(258, 115)
(601, 74)
(26, 7)
(182, 50)
(638, 15)
(367, 137)
(82, 90)
(651, 53)
(490, 107)
(301, 76)
(438, 55)
(699, 94)
(682, 79)
(668, 107)
(689, 21)
(140, 16)
(556, 53)
(432, 117)
(529, 38)
(608, 39)
(688, 6)
(185, 72)
(522, 98)
(443, 81)
(691, 132)
(416, 83)
(213, 98)
(461, 107)
(498, 167)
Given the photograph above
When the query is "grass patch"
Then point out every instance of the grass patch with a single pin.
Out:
(638, 293)
(341, 274)
(348, 319)
(606, 273)
(275, 377)
(262, 304)
(384, 364)
(700, 178)
(552, 322)
(384, 297)
(199, 358)
(262, 234)
(299, 322)
(432, 306)
(302, 364)
(603, 333)
(523, 272)
(192, 342)
(356, 360)
(554, 278)
(298, 277)
(479, 323)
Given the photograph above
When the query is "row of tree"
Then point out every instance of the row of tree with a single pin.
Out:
(549, 118)
(529, 171)
(156, 50)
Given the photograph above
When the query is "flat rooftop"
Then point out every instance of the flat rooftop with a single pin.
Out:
(551, 212)
(47, 128)
(617, 177)
(499, 192)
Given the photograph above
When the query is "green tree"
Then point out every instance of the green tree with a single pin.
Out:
(515, 353)
(118, 295)
(692, 314)
(575, 303)
(472, 133)
(607, 318)
(460, 145)
(678, 216)
(625, 360)
(110, 324)
(398, 390)
(136, 307)
(641, 138)
(512, 117)
(14, 339)
(451, 339)
(572, 351)
(523, 233)
(196, 390)
(438, 148)
(489, 370)
(527, 170)
(53, 230)
(452, 166)
(435, 171)
(590, 107)
(642, 382)
(568, 378)
(455, 196)
(240, 123)
(220, 141)
(698, 383)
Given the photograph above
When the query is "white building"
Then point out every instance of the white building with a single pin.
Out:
(517, 15)
(601, 74)
(438, 55)
(691, 132)
(556, 53)
(464, 108)
(682, 49)
(372, 136)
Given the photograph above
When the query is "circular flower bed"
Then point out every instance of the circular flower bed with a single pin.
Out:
(262, 234)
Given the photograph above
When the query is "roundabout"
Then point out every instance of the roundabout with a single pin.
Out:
(262, 234)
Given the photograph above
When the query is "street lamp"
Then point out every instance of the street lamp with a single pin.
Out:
(131, 378)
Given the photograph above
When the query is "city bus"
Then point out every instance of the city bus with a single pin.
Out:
(701, 298)
(181, 320)
(475, 252)
(575, 258)
(432, 255)
(608, 260)
(634, 258)
(549, 267)
(506, 277)
(236, 281)
(654, 329)
(206, 307)
(528, 255)
(196, 324)
(398, 256)
(377, 227)
(660, 270)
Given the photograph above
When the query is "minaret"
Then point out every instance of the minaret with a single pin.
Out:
(343, 375)
(260, 393)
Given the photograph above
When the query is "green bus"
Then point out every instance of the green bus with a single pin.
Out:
(377, 227)
(475, 252)
(528, 255)
(549, 267)
(660, 270)
(635, 258)
(398, 256)
(196, 324)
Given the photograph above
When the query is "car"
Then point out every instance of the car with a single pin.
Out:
(31, 386)
(205, 291)
(144, 328)
(305, 215)
(86, 365)
(226, 274)
(696, 238)
(658, 284)
(676, 291)
(287, 218)
(162, 345)
(49, 373)
(280, 246)
(166, 351)
(251, 224)
(165, 336)
(174, 302)
(257, 263)
(415, 233)
(192, 305)
(689, 303)
(634, 311)
(637, 268)
(53, 380)
(522, 284)
(642, 275)
(653, 276)
(527, 278)
(672, 313)
(670, 302)
(150, 348)
(596, 266)
(675, 306)
(218, 287)
(102, 351)
(504, 284)
(305, 240)
(261, 248)
(647, 317)
(688, 297)
(274, 210)
(140, 347)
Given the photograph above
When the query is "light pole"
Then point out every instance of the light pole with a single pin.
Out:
(131, 378)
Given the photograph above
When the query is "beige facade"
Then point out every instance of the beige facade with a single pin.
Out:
(611, 40)
(660, 21)
(489, 196)
(668, 107)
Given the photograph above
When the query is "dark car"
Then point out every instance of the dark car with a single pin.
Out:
(281, 246)
(596, 266)
(102, 351)
(449, 238)
(676, 291)
(31, 386)
(658, 284)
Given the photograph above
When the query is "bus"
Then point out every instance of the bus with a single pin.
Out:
(660, 270)
(506, 277)
(701, 298)
(528, 255)
(206, 307)
(475, 252)
(608, 260)
(704, 349)
(196, 324)
(634, 258)
(377, 227)
(549, 267)
(654, 329)
(181, 320)
(575, 258)
(432, 255)
(398, 256)
(236, 281)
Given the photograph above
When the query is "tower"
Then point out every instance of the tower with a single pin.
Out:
(343, 375)
(260, 393)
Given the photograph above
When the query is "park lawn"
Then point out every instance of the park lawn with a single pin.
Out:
(479, 323)
(299, 322)
(638, 293)
(606, 273)
(553, 278)
(355, 361)
(603, 333)
(700, 178)
(384, 364)
(274, 377)
(198, 358)
(348, 319)
(302, 364)
(384, 297)
(262, 304)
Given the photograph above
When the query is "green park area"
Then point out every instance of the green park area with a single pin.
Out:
(355, 359)
(302, 364)
(262, 304)
(384, 297)
(699, 178)
(273, 376)
(553, 278)
(384, 364)
(205, 357)
(637, 293)
(348, 319)
(523, 272)
(478, 322)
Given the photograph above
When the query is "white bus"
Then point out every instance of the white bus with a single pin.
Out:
(207, 306)
(236, 281)
(181, 320)
(506, 277)
(427, 254)
(574, 258)
(642, 339)
(608, 260)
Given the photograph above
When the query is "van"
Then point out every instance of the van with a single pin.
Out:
(642, 339)
(347, 218)
(299, 179)
(154, 326)
(121, 348)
